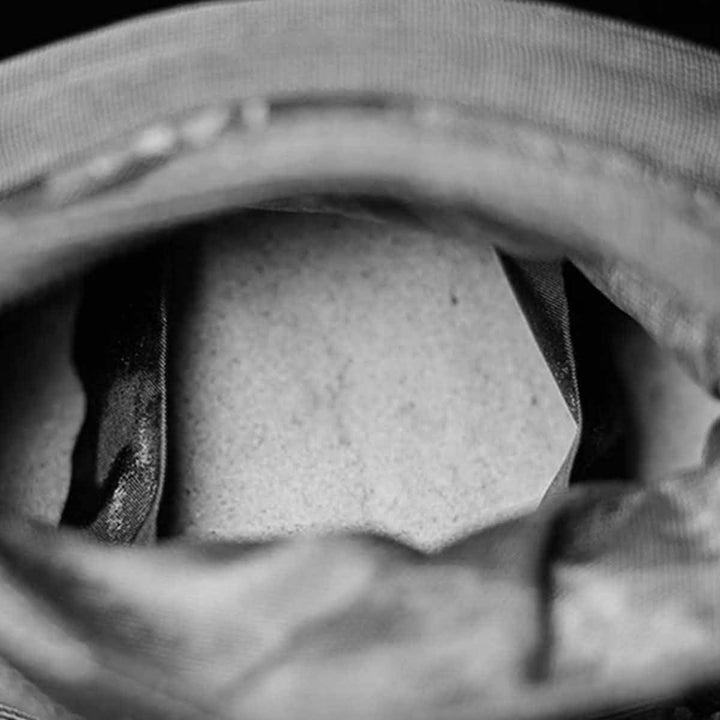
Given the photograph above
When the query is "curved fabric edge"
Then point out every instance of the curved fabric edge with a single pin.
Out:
(587, 131)
(119, 461)
(555, 197)
(599, 81)
(605, 601)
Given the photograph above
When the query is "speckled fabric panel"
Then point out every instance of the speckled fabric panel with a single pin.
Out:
(334, 373)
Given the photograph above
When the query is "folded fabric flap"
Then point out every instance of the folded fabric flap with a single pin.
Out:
(605, 600)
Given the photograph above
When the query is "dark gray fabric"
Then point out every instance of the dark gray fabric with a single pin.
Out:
(120, 456)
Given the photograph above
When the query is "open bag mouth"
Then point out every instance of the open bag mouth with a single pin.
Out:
(573, 139)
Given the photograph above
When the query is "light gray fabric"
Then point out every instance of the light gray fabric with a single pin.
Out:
(330, 373)
(593, 134)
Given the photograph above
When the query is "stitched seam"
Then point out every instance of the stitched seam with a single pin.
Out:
(590, 161)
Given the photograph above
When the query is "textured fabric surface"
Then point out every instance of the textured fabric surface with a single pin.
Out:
(41, 405)
(609, 599)
(332, 373)
(120, 455)
(619, 84)
(567, 134)
(541, 80)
